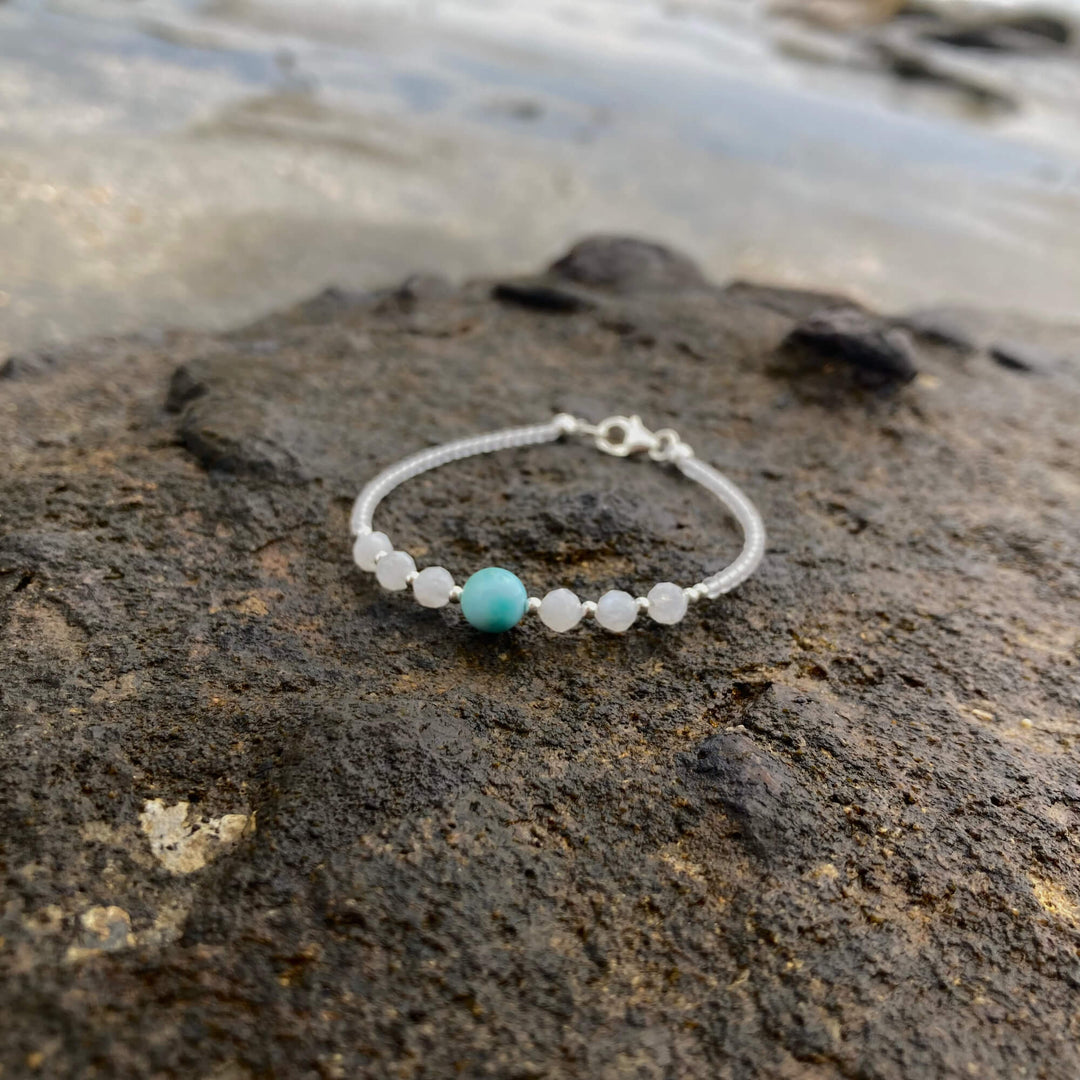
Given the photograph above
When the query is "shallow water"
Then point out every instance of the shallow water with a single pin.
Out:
(180, 163)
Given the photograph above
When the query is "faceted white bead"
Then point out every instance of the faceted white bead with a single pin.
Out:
(432, 586)
(667, 603)
(616, 611)
(392, 570)
(367, 547)
(561, 610)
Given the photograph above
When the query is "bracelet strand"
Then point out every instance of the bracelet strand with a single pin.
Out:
(495, 599)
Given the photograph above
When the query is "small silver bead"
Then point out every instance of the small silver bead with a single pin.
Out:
(380, 555)
(642, 603)
(534, 604)
(410, 578)
(589, 608)
(566, 423)
(455, 594)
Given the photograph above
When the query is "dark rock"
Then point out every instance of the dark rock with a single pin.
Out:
(260, 818)
(941, 327)
(794, 303)
(758, 790)
(331, 305)
(1025, 33)
(877, 352)
(623, 264)
(28, 365)
(910, 58)
(541, 295)
(1018, 356)
(241, 439)
(184, 387)
(424, 287)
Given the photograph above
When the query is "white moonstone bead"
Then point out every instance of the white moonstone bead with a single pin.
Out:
(432, 586)
(667, 603)
(616, 611)
(393, 570)
(368, 547)
(561, 610)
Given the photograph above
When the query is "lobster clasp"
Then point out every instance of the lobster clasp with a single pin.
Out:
(624, 435)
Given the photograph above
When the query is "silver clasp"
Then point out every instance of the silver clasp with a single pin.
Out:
(623, 436)
(626, 435)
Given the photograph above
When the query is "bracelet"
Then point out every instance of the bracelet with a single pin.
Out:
(494, 599)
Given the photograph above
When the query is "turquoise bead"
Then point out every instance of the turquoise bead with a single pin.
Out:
(493, 599)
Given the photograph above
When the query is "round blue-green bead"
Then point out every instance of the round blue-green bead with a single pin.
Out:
(494, 600)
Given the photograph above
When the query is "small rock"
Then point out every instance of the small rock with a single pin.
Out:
(757, 789)
(28, 365)
(940, 327)
(794, 303)
(185, 385)
(1016, 356)
(1026, 33)
(539, 294)
(909, 57)
(244, 438)
(424, 287)
(624, 264)
(329, 304)
(878, 352)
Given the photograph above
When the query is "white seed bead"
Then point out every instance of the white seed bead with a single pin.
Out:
(368, 548)
(667, 603)
(432, 586)
(616, 611)
(393, 570)
(561, 610)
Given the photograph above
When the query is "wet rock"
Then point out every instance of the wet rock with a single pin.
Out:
(876, 352)
(1023, 33)
(261, 818)
(757, 789)
(941, 327)
(909, 58)
(624, 264)
(542, 295)
(242, 438)
(424, 287)
(28, 365)
(1018, 356)
(794, 303)
(186, 384)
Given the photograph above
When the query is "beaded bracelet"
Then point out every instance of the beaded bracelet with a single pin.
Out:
(494, 599)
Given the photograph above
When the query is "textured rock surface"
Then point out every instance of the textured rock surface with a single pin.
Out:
(260, 819)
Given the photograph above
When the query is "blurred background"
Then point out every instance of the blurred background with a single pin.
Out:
(201, 162)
